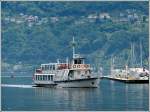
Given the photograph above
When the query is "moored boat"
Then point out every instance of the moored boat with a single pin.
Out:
(131, 74)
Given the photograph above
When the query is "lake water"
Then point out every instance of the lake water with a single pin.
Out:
(111, 95)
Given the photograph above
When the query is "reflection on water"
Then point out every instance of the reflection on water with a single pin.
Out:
(66, 98)
(131, 94)
(136, 92)
(18, 86)
(111, 95)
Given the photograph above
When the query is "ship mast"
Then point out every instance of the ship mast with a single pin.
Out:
(73, 47)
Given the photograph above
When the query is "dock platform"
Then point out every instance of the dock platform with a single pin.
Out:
(126, 80)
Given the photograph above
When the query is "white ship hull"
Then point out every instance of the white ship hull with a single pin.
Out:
(87, 83)
(78, 83)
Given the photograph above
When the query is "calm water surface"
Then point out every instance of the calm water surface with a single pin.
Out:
(110, 95)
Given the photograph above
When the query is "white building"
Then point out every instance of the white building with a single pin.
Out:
(54, 19)
(12, 20)
(92, 16)
(104, 16)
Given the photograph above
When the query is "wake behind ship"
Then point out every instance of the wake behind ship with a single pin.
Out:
(74, 73)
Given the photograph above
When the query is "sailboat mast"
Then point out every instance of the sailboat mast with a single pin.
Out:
(141, 61)
(131, 55)
(112, 65)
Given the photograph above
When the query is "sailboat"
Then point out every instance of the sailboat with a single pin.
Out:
(140, 73)
(131, 74)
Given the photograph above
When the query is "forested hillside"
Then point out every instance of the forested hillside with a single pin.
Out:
(40, 32)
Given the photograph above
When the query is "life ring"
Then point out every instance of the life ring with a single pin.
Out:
(78, 66)
(86, 66)
(82, 66)
(74, 66)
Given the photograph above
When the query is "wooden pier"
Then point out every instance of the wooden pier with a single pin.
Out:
(125, 80)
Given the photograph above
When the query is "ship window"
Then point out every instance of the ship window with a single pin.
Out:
(71, 74)
(75, 61)
(78, 61)
(44, 77)
(38, 77)
(89, 72)
(47, 67)
(49, 77)
(53, 67)
(42, 68)
(50, 67)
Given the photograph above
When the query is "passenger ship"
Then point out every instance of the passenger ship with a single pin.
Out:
(74, 73)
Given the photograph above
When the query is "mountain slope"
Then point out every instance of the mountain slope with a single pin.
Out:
(37, 32)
